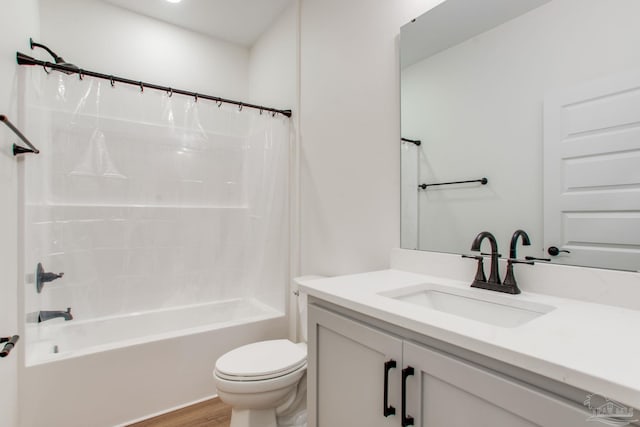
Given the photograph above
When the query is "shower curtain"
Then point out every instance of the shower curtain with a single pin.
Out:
(148, 200)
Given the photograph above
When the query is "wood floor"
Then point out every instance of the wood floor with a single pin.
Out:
(210, 413)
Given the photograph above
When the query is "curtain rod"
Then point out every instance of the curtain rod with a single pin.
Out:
(23, 59)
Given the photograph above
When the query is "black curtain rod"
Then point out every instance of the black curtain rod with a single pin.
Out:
(23, 59)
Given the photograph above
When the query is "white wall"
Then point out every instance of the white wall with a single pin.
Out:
(101, 37)
(273, 63)
(350, 131)
(478, 109)
(18, 21)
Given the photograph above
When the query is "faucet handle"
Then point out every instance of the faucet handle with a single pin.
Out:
(480, 277)
(532, 258)
(520, 261)
(485, 254)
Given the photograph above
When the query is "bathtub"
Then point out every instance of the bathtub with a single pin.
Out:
(117, 370)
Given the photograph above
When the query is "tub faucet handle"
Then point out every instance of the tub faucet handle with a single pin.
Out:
(43, 277)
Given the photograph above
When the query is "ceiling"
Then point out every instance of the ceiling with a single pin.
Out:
(455, 21)
(236, 21)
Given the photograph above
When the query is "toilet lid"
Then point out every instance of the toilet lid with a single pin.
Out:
(265, 359)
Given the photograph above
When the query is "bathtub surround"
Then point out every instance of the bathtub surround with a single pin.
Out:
(146, 202)
(156, 217)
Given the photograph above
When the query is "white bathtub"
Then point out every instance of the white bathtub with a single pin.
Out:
(115, 370)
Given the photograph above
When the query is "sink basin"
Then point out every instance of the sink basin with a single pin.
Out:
(472, 304)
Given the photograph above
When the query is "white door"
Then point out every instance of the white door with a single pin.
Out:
(592, 173)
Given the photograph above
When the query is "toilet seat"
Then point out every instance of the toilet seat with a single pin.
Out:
(261, 361)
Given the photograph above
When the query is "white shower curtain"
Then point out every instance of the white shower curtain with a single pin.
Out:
(148, 200)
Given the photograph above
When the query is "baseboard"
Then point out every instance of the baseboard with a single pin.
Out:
(166, 411)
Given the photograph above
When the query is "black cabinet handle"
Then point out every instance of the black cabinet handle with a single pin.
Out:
(554, 251)
(388, 410)
(406, 421)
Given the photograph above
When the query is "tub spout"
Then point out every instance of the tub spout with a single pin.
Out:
(47, 315)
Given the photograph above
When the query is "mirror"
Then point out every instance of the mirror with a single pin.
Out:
(541, 98)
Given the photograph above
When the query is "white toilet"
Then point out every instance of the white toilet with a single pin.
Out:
(266, 380)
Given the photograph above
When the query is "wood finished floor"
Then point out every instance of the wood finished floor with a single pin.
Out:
(210, 413)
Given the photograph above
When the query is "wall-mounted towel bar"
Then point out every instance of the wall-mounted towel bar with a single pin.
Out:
(10, 343)
(17, 149)
(413, 141)
(482, 181)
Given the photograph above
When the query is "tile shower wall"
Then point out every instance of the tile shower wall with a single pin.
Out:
(155, 205)
(122, 259)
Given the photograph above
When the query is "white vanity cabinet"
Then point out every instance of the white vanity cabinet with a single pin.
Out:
(348, 363)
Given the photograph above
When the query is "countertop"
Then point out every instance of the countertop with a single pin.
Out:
(594, 347)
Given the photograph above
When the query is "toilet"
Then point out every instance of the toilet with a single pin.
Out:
(266, 381)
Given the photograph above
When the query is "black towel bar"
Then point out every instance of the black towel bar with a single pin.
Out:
(10, 343)
(17, 149)
(482, 181)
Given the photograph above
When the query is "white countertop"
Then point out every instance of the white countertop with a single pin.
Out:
(594, 347)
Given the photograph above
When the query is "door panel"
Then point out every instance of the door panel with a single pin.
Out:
(447, 392)
(346, 373)
(592, 173)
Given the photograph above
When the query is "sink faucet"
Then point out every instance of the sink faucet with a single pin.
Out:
(514, 242)
(494, 275)
(510, 285)
(48, 315)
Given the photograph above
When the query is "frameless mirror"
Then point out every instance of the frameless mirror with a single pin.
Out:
(537, 104)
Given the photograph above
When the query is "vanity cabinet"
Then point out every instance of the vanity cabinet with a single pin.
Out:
(359, 376)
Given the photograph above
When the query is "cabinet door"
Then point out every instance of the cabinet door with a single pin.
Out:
(347, 373)
(447, 392)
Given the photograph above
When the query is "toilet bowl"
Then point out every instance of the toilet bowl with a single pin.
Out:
(263, 380)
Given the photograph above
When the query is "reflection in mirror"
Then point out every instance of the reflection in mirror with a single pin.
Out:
(543, 99)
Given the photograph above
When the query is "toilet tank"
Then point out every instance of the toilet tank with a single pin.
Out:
(302, 305)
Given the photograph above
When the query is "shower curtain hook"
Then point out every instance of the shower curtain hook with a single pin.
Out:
(239, 107)
(141, 87)
(44, 67)
(273, 114)
(196, 97)
(170, 92)
(261, 111)
(219, 103)
(80, 75)
(113, 83)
